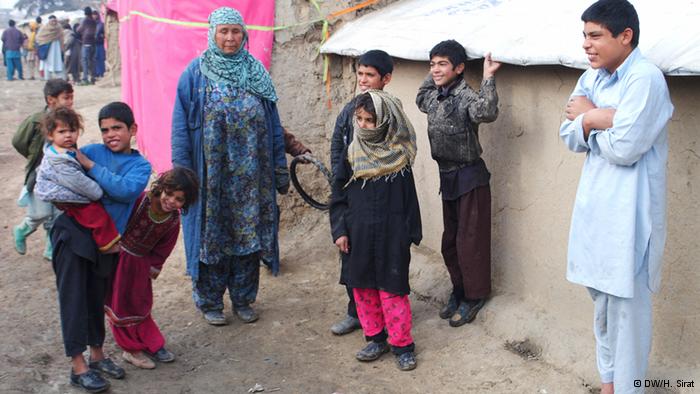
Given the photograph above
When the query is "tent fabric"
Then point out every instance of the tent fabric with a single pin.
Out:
(156, 46)
(533, 32)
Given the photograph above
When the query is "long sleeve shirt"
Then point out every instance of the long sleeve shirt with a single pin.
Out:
(87, 30)
(618, 225)
(29, 142)
(122, 177)
(12, 39)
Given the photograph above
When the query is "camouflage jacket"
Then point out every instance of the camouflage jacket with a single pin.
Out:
(453, 120)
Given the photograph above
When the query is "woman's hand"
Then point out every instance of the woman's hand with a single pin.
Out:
(343, 243)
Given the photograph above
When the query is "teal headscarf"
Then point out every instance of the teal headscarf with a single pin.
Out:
(240, 69)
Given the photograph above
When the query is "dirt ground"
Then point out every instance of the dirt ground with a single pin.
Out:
(289, 350)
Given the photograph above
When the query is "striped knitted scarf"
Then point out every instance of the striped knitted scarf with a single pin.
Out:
(389, 147)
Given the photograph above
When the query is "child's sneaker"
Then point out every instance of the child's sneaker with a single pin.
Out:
(372, 351)
(406, 361)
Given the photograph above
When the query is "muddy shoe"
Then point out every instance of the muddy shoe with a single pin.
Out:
(108, 366)
(372, 351)
(406, 361)
(466, 313)
(450, 308)
(138, 360)
(346, 326)
(90, 381)
(162, 356)
(246, 313)
(215, 318)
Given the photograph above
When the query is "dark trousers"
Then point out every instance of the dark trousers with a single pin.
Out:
(87, 61)
(81, 298)
(240, 275)
(352, 308)
(466, 243)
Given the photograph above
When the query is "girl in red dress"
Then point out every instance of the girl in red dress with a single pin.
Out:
(150, 237)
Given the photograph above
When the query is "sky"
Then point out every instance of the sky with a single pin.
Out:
(7, 3)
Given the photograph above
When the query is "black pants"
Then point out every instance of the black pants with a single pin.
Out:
(352, 309)
(81, 291)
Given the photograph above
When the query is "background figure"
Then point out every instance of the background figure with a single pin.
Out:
(87, 54)
(12, 40)
(99, 45)
(50, 48)
(73, 46)
(31, 49)
(226, 128)
(29, 142)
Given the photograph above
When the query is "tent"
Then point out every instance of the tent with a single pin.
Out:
(157, 40)
(536, 32)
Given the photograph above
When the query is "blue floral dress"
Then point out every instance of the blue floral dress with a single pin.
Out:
(239, 215)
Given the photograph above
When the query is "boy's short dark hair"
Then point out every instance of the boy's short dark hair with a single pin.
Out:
(178, 179)
(64, 115)
(365, 102)
(87, 11)
(614, 15)
(378, 59)
(452, 50)
(38, 19)
(52, 17)
(54, 87)
(119, 111)
(11, 23)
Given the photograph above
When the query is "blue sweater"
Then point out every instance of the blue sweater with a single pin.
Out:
(187, 151)
(122, 177)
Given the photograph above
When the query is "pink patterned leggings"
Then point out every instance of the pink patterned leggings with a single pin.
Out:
(378, 310)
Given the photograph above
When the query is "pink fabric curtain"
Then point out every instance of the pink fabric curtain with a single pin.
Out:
(155, 52)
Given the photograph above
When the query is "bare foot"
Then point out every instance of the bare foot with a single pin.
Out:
(607, 388)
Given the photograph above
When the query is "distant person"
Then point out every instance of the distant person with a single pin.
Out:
(73, 48)
(226, 128)
(374, 71)
(455, 111)
(50, 49)
(29, 142)
(38, 21)
(149, 238)
(12, 41)
(100, 55)
(81, 271)
(618, 115)
(87, 30)
(374, 220)
(32, 58)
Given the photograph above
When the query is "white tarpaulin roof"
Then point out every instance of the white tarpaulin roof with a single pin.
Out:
(520, 32)
(60, 15)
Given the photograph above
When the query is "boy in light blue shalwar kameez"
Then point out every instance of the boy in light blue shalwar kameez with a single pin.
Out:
(617, 114)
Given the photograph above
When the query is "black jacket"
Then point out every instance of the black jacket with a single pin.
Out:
(381, 219)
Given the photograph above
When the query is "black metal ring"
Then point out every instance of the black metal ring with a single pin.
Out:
(295, 181)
